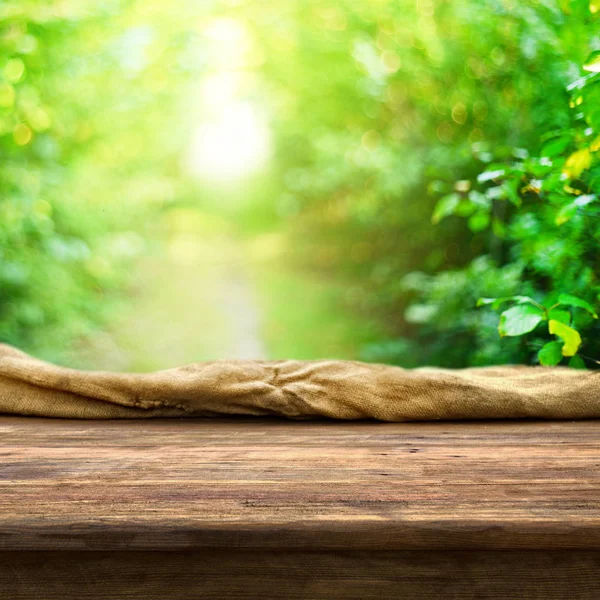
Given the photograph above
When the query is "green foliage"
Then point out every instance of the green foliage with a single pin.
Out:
(528, 314)
(409, 121)
(76, 110)
(519, 320)
(550, 354)
(425, 155)
(551, 230)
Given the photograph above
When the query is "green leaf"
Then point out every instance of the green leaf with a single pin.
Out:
(519, 320)
(568, 300)
(512, 194)
(497, 302)
(479, 199)
(577, 363)
(562, 316)
(494, 302)
(570, 337)
(568, 211)
(465, 208)
(592, 64)
(479, 221)
(445, 207)
(556, 146)
(550, 354)
(490, 175)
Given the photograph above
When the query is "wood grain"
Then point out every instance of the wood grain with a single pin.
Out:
(187, 484)
(301, 575)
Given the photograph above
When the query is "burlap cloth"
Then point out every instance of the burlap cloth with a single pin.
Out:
(297, 390)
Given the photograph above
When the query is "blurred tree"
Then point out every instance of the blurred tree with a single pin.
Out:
(89, 145)
(378, 108)
(384, 117)
(542, 214)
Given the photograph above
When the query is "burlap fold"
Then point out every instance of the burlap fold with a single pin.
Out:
(297, 390)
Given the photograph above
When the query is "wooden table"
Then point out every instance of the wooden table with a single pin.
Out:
(263, 508)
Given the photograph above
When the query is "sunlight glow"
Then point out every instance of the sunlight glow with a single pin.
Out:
(231, 139)
(233, 145)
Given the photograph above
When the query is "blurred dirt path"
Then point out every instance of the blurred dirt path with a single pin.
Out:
(191, 300)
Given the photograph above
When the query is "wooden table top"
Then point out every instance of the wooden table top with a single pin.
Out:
(267, 483)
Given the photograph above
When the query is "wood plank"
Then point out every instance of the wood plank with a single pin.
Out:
(269, 483)
(301, 575)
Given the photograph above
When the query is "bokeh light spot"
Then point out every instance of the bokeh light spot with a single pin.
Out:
(14, 70)
(233, 145)
(370, 140)
(22, 134)
(7, 95)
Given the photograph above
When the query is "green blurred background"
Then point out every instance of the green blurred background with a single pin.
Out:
(192, 180)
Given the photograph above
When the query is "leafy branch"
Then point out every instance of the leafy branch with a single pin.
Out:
(548, 205)
(525, 316)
